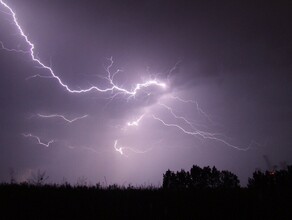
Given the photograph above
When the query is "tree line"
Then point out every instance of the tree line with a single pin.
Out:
(212, 178)
(196, 178)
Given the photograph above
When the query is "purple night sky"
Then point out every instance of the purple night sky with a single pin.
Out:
(218, 93)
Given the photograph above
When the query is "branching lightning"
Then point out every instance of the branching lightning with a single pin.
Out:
(176, 116)
(202, 134)
(192, 102)
(115, 90)
(62, 117)
(110, 78)
(184, 119)
(39, 140)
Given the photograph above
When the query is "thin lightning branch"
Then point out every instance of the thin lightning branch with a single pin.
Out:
(111, 76)
(40, 76)
(121, 149)
(176, 116)
(12, 50)
(62, 117)
(118, 149)
(4, 12)
(85, 148)
(200, 134)
(39, 140)
(192, 102)
(137, 151)
(173, 69)
(113, 87)
(186, 120)
(136, 122)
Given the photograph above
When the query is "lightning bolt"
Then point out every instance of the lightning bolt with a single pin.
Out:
(176, 116)
(121, 149)
(115, 90)
(12, 50)
(118, 149)
(110, 78)
(204, 135)
(39, 140)
(192, 102)
(135, 123)
(184, 119)
(62, 117)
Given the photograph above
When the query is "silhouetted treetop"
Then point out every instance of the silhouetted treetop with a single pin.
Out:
(200, 178)
(280, 179)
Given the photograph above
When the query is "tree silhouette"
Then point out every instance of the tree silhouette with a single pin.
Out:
(228, 180)
(200, 178)
(196, 176)
(280, 179)
(215, 178)
(183, 179)
(169, 179)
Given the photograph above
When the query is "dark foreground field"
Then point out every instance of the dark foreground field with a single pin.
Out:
(65, 202)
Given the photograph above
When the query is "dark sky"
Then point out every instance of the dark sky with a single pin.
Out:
(231, 57)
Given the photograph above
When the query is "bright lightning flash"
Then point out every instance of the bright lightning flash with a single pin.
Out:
(135, 123)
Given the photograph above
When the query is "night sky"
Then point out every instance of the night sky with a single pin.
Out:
(231, 58)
